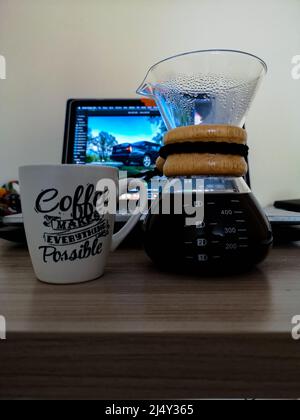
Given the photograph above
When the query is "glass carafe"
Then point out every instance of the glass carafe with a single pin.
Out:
(232, 234)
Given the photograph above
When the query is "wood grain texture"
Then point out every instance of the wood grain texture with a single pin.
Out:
(140, 333)
(219, 133)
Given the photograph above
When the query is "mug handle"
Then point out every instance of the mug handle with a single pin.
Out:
(136, 216)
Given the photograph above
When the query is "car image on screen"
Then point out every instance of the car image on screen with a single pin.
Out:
(143, 153)
(128, 143)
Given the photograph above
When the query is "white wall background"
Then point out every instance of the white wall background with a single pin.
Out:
(56, 49)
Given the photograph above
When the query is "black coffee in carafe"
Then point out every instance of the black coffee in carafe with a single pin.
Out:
(233, 237)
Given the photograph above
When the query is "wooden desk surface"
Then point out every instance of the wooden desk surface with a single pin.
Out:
(139, 333)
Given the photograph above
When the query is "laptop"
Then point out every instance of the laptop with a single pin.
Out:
(126, 134)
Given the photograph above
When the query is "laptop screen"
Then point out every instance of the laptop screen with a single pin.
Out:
(125, 134)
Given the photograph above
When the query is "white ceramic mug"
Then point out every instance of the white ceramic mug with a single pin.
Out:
(69, 240)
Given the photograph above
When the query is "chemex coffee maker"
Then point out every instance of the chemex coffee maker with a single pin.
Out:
(204, 97)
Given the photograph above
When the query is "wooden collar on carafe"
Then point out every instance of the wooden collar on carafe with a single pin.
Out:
(219, 150)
